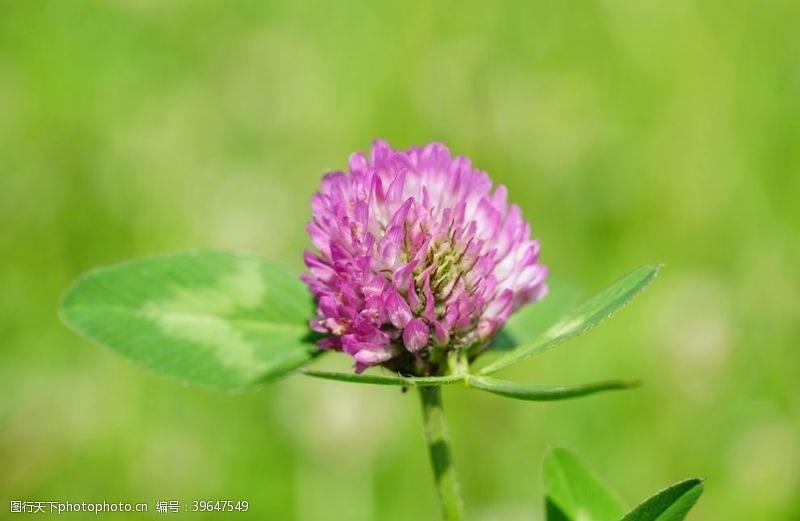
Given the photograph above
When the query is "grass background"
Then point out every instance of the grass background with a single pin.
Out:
(629, 132)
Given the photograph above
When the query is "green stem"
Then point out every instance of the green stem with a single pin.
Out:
(439, 450)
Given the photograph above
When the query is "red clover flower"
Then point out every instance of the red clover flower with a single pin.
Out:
(419, 261)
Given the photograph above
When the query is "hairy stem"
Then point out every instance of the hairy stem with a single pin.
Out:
(439, 451)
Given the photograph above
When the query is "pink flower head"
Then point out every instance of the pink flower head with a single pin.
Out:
(418, 258)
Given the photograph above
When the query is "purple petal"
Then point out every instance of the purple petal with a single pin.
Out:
(397, 309)
(415, 335)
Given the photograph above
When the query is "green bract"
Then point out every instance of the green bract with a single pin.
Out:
(231, 321)
(582, 318)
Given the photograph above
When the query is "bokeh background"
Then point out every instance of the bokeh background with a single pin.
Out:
(629, 132)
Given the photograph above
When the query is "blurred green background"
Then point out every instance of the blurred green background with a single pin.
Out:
(629, 132)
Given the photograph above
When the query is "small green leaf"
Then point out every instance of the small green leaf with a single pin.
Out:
(552, 512)
(576, 493)
(581, 319)
(544, 393)
(534, 319)
(209, 318)
(671, 504)
(380, 379)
